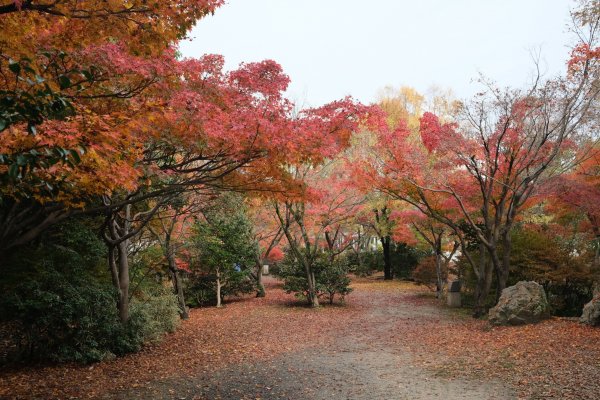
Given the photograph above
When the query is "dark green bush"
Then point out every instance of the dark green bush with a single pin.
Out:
(201, 288)
(331, 278)
(60, 304)
(369, 261)
(61, 318)
(404, 259)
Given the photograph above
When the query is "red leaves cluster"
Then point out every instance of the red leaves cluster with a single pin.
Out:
(434, 133)
(581, 55)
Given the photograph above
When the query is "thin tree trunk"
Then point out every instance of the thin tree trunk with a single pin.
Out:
(175, 275)
(438, 266)
(178, 288)
(219, 289)
(112, 265)
(123, 267)
(387, 261)
(438, 271)
(260, 287)
(313, 297)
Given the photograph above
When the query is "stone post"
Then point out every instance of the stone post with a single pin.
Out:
(454, 294)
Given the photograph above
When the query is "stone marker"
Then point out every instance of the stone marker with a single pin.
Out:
(591, 312)
(523, 303)
(454, 299)
(266, 269)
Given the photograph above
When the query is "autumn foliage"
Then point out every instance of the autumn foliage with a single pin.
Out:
(136, 183)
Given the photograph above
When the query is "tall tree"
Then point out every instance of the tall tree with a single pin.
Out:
(488, 168)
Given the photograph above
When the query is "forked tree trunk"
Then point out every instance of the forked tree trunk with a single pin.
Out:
(118, 251)
(313, 297)
(178, 288)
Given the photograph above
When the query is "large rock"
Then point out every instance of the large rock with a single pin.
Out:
(591, 312)
(524, 303)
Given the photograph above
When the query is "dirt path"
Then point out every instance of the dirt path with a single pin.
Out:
(368, 358)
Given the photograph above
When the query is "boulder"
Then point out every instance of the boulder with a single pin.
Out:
(523, 303)
(591, 312)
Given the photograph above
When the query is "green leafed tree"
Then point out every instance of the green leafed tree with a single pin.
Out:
(223, 245)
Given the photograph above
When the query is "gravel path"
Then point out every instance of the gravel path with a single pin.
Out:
(361, 364)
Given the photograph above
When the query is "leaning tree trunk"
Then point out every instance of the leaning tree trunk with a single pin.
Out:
(178, 287)
(175, 276)
(387, 260)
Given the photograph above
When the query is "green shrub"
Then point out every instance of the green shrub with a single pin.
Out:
(201, 288)
(404, 259)
(369, 262)
(157, 313)
(222, 246)
(60, 304)
(331, 278)
(61, 318)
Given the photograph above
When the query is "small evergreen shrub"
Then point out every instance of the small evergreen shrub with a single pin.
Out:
(331, 278)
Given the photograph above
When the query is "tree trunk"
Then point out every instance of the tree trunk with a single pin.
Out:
(219, 289)
(178, 288)
(313, 297)
(175, 276)
(504, 266)
(260, 287)
(123, 267)
(596, 262)
(484, 282)
(387, 261)
(438, 266)
(359, 262)
(438, 270)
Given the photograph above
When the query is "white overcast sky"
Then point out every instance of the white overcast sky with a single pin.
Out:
(333, 48)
